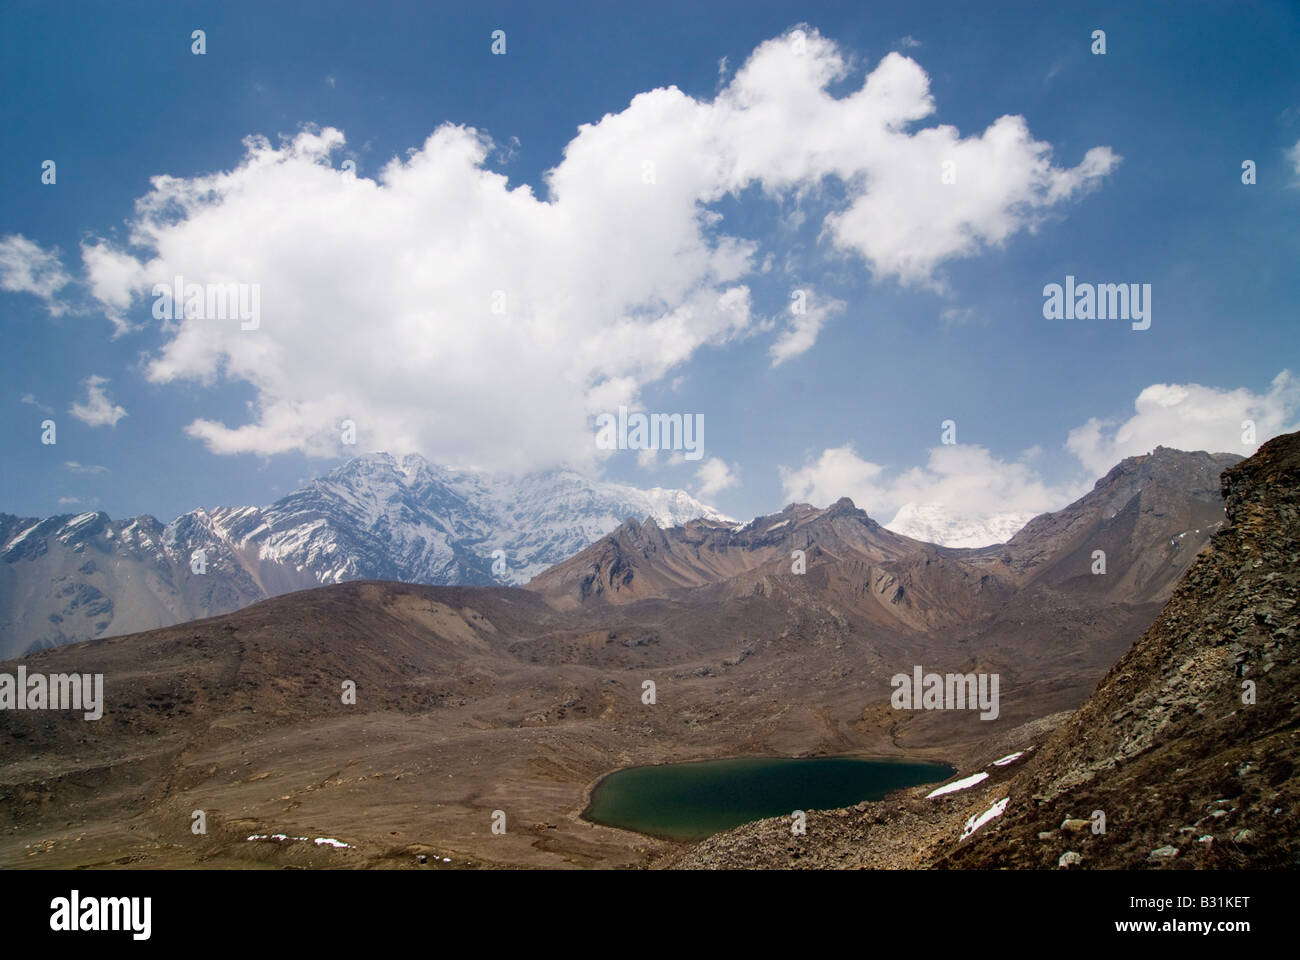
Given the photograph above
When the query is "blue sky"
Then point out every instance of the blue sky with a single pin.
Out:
(916, 332)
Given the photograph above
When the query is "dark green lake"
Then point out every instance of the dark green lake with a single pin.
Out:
(690, 801)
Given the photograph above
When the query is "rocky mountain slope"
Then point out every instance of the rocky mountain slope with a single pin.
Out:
(1032, 610)
(1184, 755)
(70, 578)
(1148, 516)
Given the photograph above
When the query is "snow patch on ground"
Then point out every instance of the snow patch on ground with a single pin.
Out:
(331, 842)
(956, 785)
(974, 823)
(1009, 758)
(319, 841)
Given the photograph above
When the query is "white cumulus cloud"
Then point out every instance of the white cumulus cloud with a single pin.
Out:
(27, 268)
(803, 329)
(97, 410)
(964, 496)
(714, 476)
(447, 311)
(33, 401)
(837, 472)
(1189, 417)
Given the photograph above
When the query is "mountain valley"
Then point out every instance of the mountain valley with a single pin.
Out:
(476, 699)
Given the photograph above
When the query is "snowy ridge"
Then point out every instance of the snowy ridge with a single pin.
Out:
(79, 576)
(933, 523)
(378, 517)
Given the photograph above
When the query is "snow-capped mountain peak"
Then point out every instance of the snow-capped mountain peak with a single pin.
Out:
(935, 523)
(375, 517)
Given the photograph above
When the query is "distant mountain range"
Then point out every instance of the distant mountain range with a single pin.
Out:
(76, 577)
(1148, 515)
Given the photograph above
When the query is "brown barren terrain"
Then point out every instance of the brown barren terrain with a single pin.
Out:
(471, 700)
